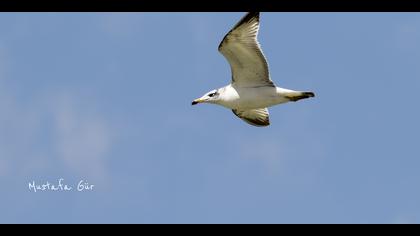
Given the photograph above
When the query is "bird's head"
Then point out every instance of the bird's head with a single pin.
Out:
(210, 97)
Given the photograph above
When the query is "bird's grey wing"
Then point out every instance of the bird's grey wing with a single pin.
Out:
(243, 52)
(256, 117)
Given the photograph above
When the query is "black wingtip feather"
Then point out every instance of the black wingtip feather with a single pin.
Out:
(247, 18)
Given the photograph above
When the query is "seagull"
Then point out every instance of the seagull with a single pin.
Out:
(251, 90)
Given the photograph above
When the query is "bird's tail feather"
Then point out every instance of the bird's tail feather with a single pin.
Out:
(296, 96)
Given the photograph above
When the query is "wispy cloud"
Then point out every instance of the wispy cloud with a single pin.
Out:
(19, 126)
(52, 132)
(82, 138)
(47, 131)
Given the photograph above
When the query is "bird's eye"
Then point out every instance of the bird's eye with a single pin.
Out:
(212, 94)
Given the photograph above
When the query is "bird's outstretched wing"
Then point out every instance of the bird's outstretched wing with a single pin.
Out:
(256, 117)
(243, 52)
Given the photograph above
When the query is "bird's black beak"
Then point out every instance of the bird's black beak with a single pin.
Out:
(194, 102)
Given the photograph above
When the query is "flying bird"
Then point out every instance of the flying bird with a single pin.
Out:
(251, 90)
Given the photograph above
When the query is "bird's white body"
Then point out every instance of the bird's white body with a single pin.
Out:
(244, 98)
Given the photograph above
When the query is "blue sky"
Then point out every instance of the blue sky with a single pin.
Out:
(106, 98)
